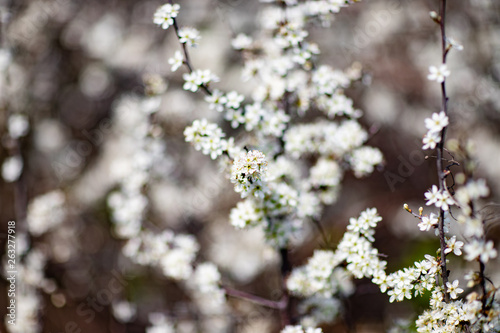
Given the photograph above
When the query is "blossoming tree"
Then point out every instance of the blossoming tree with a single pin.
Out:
(287, 144)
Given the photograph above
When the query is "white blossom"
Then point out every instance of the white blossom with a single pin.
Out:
(189, 36)
(364, 159)
(207, 137)
(176, 61)
(453, 289)
(480, 249)
(216, 100)
(437, 122)
(452, 245)
(233, 100)
(241, 42)
(438, 73)
(164, 16)
(248, 172)
(46, 211)
(430, 140)
(426, 223)
(12, 168)
(18, 125)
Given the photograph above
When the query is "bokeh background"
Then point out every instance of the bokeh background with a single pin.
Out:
(74, 61)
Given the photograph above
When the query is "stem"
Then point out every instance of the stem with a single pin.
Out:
(322, 232)
(440, 148)
(483, 284)
(187, 60)
(286, 267)
(254, 299)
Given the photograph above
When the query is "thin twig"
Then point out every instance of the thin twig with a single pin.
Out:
(279, 305)
(187, 60)
(322, 232)
(440, 148)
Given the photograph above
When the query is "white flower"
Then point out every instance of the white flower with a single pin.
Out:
(438, 73)
(247, 172)
(241, 42)
(203, 77)
(473, 226)
(177, 261)
(437, 122)
(364, 159)
(488, 252)
(189, 36)
(18, 125)
(12, 168)
(246, 213)
(164, 16)
(427, 222)
(160, 324)
(430, 140)
(124, 311)
(325, 172)
(190, 81)
(206, 277)
(253, 115)
(235, 117)
(432, 195)
(234, 100)
(274, 123)
(216, 101)
(207, 137)
(454, 44)
(453, 289)
(5, 58)
(477, 189)
(478, 249)
(399, 293)
(444, 200)
(441, 199)
(290, 34)
(453, 246)
(45, 212)
(176, 61)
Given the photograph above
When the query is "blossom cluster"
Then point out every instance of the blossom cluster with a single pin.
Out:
(439, 198)
(449, 313)
(208, 137)
(324, 277)
(476, 246)
(196, 79)
(17, 127)
(434, 126)
(298, 166)
(164, 16)
(143, 160)
(134, 169)
(17, 122)
(248, 173)
(287, 85)
(46, 211)
(453, 316)
(174, 255)
(319, 278)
